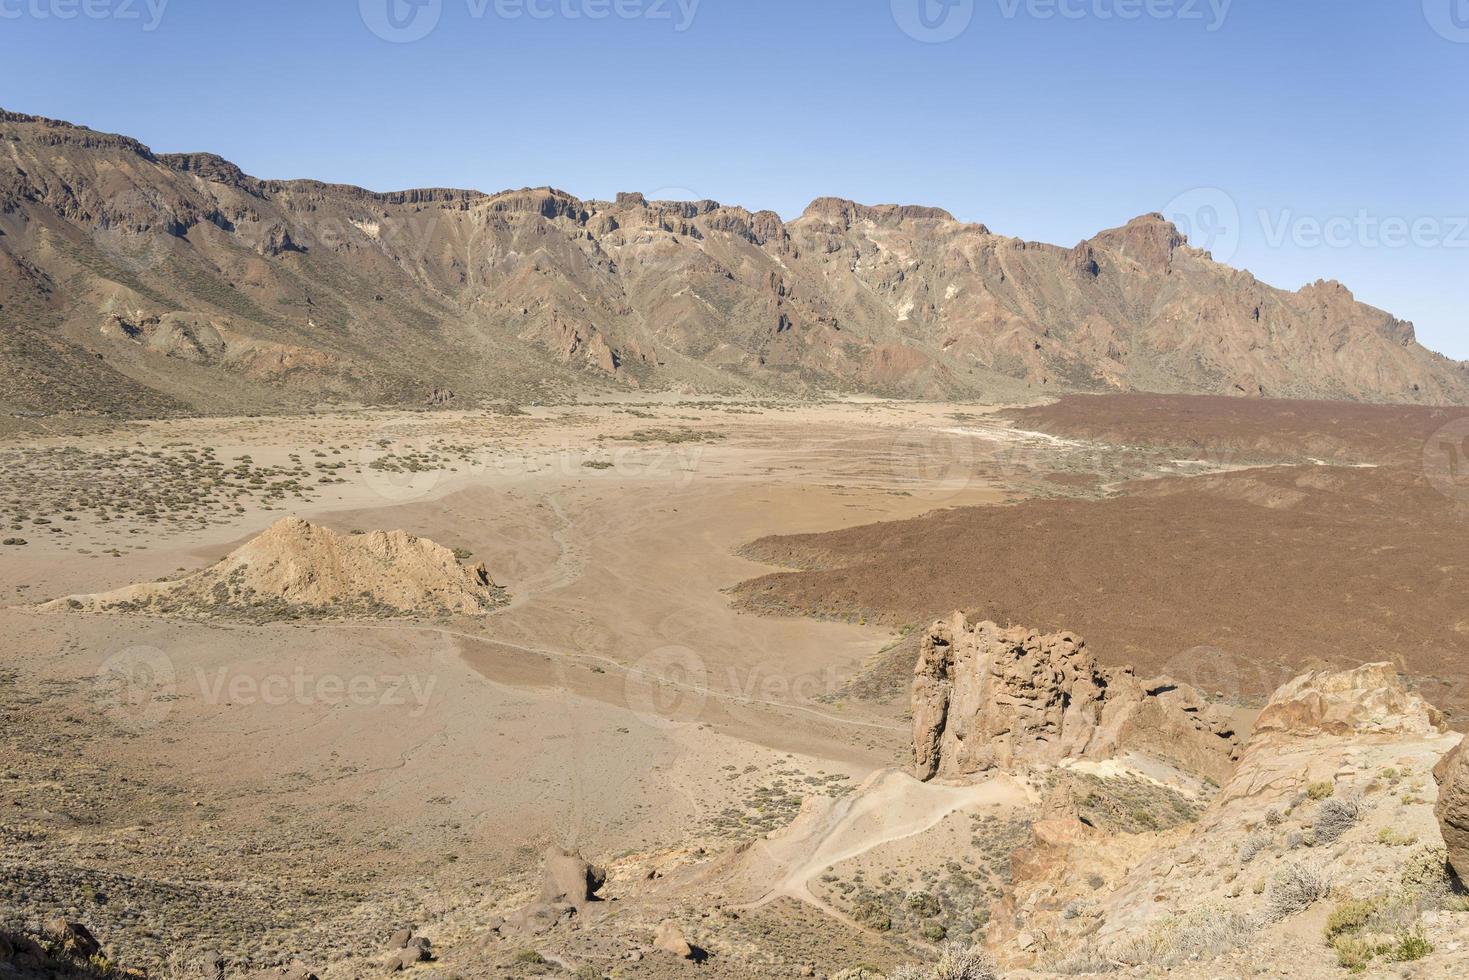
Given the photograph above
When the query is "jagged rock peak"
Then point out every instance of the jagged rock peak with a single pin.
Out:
(1149, 239)
(209, 166)
(986, 697)
(548, 202)
(836, 209)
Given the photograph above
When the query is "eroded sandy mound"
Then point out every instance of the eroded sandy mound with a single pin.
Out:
(295, 569)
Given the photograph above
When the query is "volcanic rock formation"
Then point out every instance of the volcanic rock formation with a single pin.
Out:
(1452, 810)
(1316, 805)
(295, 569)
(986, 697)
(146, 284)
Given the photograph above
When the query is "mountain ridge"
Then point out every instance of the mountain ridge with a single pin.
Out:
(137, 283)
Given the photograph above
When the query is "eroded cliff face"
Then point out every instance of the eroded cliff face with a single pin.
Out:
(392, 295)
(1327, 803)
(986, 698)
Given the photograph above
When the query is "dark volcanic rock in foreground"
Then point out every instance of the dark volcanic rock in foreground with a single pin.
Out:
(144, 284)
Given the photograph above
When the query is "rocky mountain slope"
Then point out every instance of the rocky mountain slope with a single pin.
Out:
(144, 284)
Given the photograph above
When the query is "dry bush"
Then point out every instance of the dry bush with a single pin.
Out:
(956, 961)
(1295, 889)
(1201, 933)
(1253, 845)
(1335, 817)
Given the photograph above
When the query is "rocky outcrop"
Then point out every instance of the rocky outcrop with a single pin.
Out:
(1452, 809)
(569, 878)
(569, 883)
(985, 697)
(1369, 700)
(296, 569)
(1329, 793)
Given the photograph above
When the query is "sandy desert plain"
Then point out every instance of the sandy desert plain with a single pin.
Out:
(696, 672)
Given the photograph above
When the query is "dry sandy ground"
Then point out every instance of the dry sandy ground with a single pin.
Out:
(326, 780)
(297, 789)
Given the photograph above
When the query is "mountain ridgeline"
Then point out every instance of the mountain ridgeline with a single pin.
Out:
(143, 284)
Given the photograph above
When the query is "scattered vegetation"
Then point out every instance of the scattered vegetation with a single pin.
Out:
(957, 961)
(1294, 889)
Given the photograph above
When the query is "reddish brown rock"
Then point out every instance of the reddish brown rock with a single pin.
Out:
(1452, 809)
(985, 697)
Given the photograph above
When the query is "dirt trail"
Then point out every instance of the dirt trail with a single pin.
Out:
(890, 806)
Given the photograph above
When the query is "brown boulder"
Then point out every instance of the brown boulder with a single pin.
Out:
(985, 698)
(73, 938)
(570, 880)
(669, 938)
(1452, 808)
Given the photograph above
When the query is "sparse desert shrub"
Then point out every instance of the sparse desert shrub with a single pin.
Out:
(923, 904)
(1253, 845)
(1083, 962)
(1335, 817)
(1208, 931)
(1393, 838)
(858, 973)
(588, 972)
(872, 915)
(1321, 790)
(956, 961)
(528, 957)
(1348, 916)
(1274, 818)
(1354, 953)
(1409, 946)
(1295, 889)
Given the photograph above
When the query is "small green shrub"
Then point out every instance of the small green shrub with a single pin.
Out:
(1408, 947)
(1353, 953)
(1348, 916)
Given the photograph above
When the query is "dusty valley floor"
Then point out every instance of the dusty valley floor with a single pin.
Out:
(694, 669)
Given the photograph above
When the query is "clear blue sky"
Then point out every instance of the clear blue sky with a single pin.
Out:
(1046, 127)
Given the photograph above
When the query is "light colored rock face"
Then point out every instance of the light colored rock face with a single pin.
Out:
(569, 879)
(1367, 700)
(1452, 810)
(296, 568)
(986, 697)
(1334, 786)
(669, 938)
